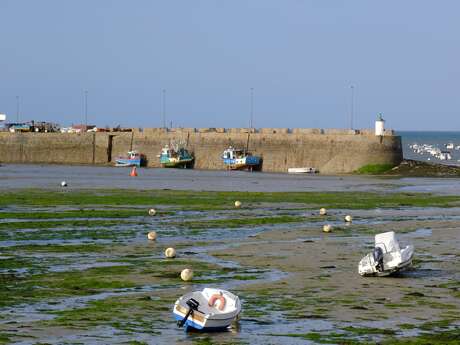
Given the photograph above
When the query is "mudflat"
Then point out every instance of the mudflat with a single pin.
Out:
(76, 266)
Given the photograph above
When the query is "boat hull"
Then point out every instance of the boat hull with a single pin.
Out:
(125, 162)
(183, 163)
(402, 262)
(202, 324)
(249, 162)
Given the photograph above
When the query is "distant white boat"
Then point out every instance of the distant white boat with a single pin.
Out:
(444, 155)
(450, 146)
(306, 170)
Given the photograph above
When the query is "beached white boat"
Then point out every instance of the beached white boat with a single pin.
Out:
(387, 258)
(306, 170)
(207, 310)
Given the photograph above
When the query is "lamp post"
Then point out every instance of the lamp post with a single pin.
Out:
(17, 109)
(86, 109)
(251, 118)
(163, 100)
(352, 89)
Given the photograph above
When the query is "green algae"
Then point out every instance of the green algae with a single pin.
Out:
(60, 248)
(70, 234)
(64, 223)
(374, 169)
(129, 313)
(4, 338)
(448, 337)
(36, 287)
(81, 213)
(236, 222)
(224, 200)
(364, 336)
(136, 274)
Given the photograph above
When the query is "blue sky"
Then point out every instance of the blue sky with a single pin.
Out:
(300, 56)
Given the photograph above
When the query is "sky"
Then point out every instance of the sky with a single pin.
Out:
(302, 58)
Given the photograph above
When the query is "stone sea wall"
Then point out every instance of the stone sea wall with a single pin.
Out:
(331, 151)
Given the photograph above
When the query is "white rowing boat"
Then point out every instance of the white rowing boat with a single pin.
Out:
(207, 310)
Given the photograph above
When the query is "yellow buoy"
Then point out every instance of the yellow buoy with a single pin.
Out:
(152, 235)
(186, 274)
(348, 218)
(322, 211)
(327, 227)
(237, 204)
(170, 252)
(152, 212)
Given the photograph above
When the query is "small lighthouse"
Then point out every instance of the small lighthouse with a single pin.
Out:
(380, 125)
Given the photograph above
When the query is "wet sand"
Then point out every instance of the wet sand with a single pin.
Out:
(14, 176)
(323, 271)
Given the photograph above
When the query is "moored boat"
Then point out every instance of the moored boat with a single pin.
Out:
(207, 310)
(386, 258)
(238, 159)
(175, 156)
(133, 158)
(306, 170)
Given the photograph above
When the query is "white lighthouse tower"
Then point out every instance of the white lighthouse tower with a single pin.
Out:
(380, 125)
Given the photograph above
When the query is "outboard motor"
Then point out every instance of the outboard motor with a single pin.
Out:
(378, 258)
(193, 304)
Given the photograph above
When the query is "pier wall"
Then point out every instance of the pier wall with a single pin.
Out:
(329, 151)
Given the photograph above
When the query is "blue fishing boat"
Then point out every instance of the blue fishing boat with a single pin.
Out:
(134, 158)
(238, 159)
(175, 156)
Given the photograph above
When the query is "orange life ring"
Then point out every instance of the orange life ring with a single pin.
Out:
(217, 297)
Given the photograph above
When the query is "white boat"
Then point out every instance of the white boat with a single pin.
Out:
(450, 146)
(207, 310)
(387, 258)
(306, 170)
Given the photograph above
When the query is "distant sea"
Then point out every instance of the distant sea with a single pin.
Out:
(437, 139)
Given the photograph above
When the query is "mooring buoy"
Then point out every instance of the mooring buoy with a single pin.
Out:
(186, 274)
(170, 252)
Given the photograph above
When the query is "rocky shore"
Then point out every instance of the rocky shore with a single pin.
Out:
(413, 168)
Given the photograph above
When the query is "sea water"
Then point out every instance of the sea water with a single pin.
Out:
(437, 139)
